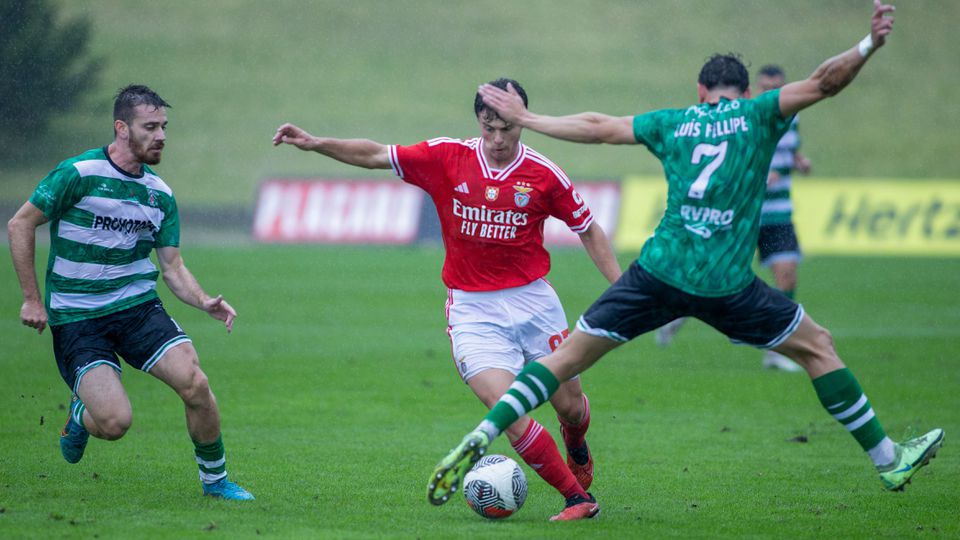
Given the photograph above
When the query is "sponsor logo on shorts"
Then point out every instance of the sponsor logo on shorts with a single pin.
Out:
(557, 339)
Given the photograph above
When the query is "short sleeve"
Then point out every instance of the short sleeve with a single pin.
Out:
(57, 192)
(169, 233)
(768, 109)
(420, 164)
(647, 130)
(569, 207)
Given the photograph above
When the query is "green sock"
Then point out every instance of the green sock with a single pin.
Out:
(533, 387)
(841, 395)
(213, 466)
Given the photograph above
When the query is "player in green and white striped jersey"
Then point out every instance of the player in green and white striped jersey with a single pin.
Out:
(777, 244)
(108, 210)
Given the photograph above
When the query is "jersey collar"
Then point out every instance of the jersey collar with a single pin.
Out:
(503, 173)
(143, 168)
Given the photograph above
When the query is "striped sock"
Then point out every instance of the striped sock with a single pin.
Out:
(76, 412)
(213, 466)
(842, 397)
(533, 387)
(538, 450)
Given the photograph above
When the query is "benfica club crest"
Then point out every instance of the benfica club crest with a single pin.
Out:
(491, 193)
(522, 196)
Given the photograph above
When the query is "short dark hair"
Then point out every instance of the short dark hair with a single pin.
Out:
(724, 70)
(771, 70)
(129, 97)
(501, 83)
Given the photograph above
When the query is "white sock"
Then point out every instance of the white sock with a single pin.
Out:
(487, 427)
(884, 453)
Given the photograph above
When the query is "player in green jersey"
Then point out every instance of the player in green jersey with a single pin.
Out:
(108, 210)
(777, 243)
(716, 156)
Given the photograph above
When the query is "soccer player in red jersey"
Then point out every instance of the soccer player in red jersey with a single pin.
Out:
(492, 194)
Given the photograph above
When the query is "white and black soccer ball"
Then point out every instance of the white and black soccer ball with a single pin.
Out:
(495, 487)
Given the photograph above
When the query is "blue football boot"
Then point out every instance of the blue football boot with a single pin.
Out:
(73, 438)
(227, 490)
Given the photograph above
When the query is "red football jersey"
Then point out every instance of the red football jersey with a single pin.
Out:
(491, 220)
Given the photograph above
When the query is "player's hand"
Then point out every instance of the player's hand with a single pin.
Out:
(33, 314)
(880, 24)
(291, 134)
(507, 103)
(801, 164)
(773, 178)
(219, 309)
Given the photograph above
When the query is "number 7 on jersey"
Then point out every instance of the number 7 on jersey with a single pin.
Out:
(700, 151)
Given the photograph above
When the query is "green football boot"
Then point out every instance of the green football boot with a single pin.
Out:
(911, 455)
(450, 471)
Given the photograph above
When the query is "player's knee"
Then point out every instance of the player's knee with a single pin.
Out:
(196, 392)
(820, 346)
(115, 426)
(823, 341)
(570, 410)
(788, 282)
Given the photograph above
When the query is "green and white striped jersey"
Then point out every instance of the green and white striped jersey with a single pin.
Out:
(777, 205)
(103, 225)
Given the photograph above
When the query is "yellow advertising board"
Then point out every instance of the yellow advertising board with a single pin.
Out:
(835, 216)
(642, 201)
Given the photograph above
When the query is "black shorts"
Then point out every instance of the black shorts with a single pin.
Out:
(639, 302)
(778, 243)
(140, 334)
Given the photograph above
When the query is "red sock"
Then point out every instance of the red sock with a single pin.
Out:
(537, 449)
(573, 434)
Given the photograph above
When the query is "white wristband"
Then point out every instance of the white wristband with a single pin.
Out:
(865, 46)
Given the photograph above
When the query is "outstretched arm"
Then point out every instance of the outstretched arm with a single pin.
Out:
(836, 73)
(186, 287)
(587, 127)
(22, 233)
(358, 152)
(598, 246)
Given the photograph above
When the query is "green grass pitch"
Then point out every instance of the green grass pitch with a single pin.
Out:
(338, 396)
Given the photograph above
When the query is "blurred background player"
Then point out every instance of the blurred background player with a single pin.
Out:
(107, 211)
(492, 195)
(716, 157)
(777, 244)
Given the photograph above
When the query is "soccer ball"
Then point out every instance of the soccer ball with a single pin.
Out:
(495, 487)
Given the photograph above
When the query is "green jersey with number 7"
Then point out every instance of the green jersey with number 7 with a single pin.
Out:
(715, 158)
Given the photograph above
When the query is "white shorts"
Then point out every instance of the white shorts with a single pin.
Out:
(504, 329)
